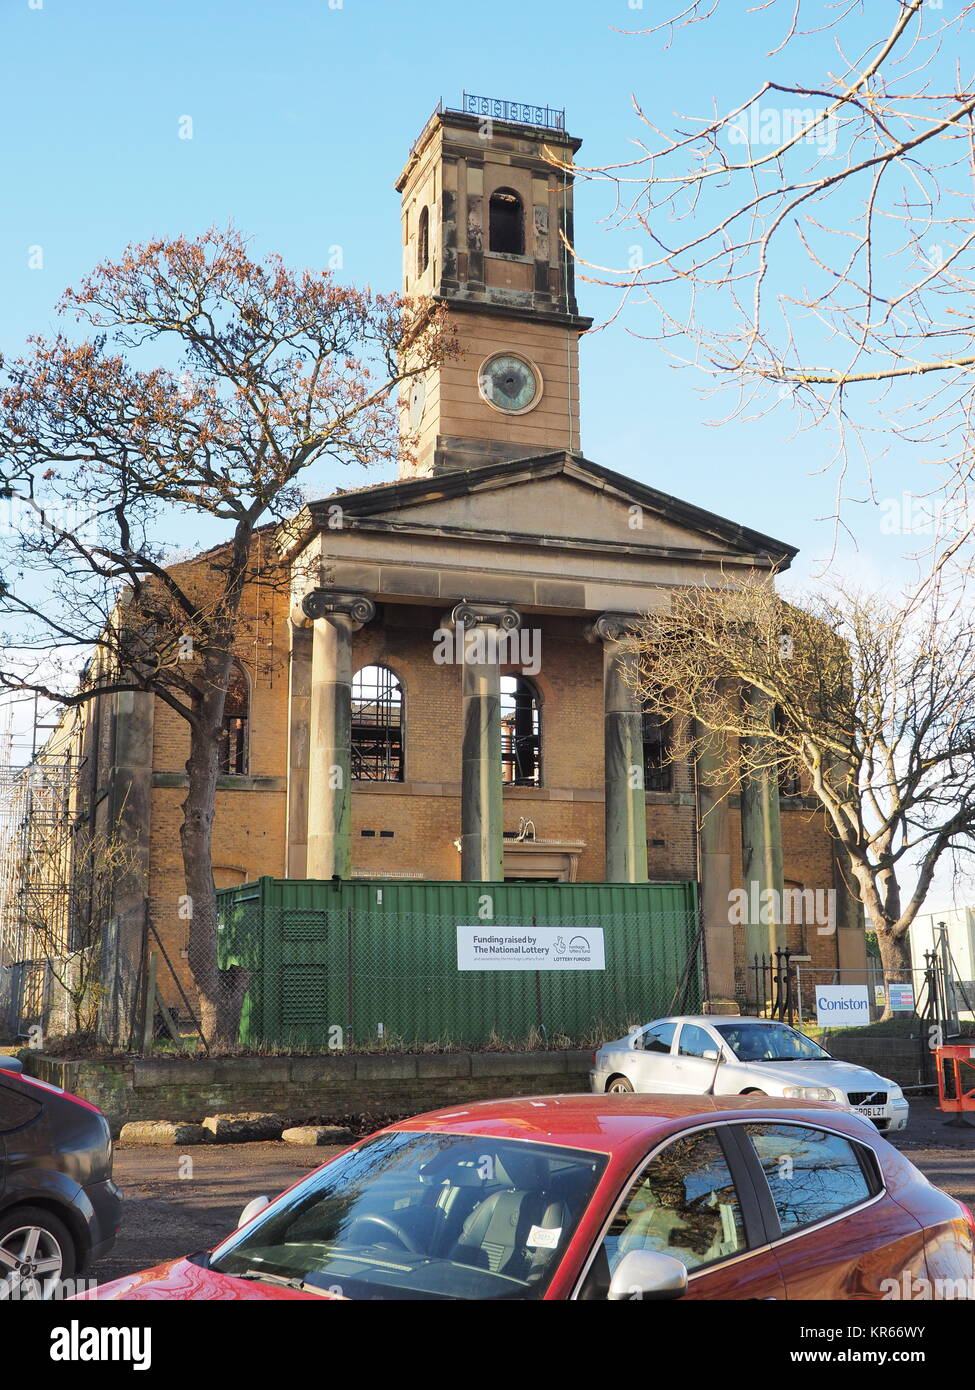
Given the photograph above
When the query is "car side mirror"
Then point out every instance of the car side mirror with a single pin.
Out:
(646, 1274)
(254, 1208)
(712, 1056)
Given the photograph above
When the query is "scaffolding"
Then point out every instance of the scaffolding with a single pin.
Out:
(37, 814)
(39, 801)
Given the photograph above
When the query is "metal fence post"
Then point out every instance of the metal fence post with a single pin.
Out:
(349, 975)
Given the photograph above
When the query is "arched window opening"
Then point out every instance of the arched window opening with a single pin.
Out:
(657, 767)
(233, 742)
(423, 242)
(506, 223)
(377, 725)
(789, 780)
(521, 735)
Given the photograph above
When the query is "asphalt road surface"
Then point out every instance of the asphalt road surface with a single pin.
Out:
(177, 1201)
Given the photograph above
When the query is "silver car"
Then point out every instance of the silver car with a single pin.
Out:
(715, 1055)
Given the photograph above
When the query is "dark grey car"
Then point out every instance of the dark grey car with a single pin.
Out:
(59, 1208)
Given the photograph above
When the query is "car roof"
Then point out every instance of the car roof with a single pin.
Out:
(613, 1124)
(712, 1019)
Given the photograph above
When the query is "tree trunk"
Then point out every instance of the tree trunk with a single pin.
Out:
(895, 955)
(221, 992)
(895, 952)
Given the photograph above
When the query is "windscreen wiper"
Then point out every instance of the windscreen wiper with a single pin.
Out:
(297, 1281)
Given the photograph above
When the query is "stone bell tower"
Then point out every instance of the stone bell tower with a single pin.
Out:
(484, 210)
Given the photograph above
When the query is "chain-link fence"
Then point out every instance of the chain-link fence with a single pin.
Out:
(888, 992)
(48, 997)
(355, 973)
(790, 987)
(121, 982)
(23, 994)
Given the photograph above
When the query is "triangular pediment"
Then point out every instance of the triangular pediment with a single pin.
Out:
(550, 498)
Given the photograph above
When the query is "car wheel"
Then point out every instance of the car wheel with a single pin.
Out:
(619, 1086)
(755, 1093)
(36, 1250)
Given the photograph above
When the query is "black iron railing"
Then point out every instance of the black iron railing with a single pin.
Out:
(523, 112)
(774, 986)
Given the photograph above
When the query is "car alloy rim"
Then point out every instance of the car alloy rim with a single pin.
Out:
(30, 1263)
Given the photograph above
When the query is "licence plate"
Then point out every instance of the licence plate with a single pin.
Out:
(872, 1112)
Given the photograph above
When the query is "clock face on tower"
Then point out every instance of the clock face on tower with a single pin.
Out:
(509, 383)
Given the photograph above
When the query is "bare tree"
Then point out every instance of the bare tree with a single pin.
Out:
(273, 371)
(870, 702)
(812, 242)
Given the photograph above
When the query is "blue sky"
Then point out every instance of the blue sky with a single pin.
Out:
(302, 115)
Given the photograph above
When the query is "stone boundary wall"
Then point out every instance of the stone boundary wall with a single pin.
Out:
(302, 1087)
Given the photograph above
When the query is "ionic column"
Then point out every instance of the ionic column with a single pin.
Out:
(626, 799)
(761, 833)
(714, 871)
(299, 703)
(479, 629)
(336, 617)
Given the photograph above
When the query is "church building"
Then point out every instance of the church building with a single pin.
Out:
(443, 694)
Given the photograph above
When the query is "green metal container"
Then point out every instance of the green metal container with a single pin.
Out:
(349, 963)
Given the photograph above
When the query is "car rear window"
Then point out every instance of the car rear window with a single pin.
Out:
(658, 1037)
(812, 1173)
(16, 1109)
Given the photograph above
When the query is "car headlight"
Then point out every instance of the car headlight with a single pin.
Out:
(809, 1093)
(894, 1092)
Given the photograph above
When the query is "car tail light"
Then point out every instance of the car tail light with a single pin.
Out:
(595, 1059)
(57, 1091)
(969, 1215)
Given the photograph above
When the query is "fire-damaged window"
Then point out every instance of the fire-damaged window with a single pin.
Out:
(377, 725)
(233, 743)
(506, 223)
(521, 735)
(789, 780)
(657, 767)
(423, 242)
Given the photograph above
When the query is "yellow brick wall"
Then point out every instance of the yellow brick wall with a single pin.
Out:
(424, 814)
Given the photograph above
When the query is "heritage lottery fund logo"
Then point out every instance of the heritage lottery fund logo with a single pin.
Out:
(75, 1342)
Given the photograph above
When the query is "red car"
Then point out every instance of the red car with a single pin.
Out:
(596, 1197)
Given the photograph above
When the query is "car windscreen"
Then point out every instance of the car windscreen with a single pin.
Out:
(411, 1214)
(769, 1042)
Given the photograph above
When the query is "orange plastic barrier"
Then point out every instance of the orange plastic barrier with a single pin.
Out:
(956, 1079)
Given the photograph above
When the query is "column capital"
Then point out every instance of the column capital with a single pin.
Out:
(328, 603)
(613, 627)
(473, 614)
